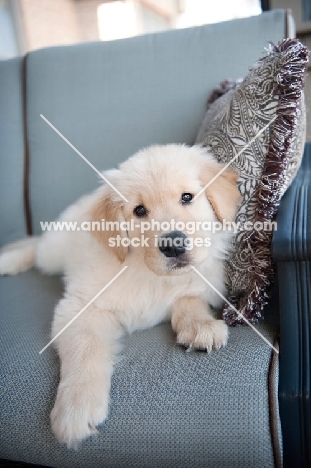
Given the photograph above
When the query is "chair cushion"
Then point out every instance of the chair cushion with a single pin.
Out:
(168, 407)
(111, 99)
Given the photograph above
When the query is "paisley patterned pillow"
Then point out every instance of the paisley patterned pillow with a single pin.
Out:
(266, 112)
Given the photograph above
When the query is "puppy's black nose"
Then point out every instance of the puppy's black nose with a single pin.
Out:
(173, 244)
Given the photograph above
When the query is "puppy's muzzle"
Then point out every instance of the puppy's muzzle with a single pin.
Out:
(173, 244)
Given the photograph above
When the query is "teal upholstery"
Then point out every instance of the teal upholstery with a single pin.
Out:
(168, 407)
(12, 219)
(292, 253)
(111, 99)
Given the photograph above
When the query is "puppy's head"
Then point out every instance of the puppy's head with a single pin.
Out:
(162, 224)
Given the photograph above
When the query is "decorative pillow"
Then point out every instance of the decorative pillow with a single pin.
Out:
(237, 112)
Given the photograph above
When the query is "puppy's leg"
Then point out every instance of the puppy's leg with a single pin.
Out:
(86, 349)
(195, 327)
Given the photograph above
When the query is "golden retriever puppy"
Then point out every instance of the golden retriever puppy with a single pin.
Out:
(159, 235)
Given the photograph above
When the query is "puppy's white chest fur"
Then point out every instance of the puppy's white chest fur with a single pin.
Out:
(146, 306)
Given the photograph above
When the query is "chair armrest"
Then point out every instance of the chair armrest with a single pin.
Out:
(292, 254)
(292, 239)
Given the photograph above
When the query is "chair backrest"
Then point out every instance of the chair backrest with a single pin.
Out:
(111, 99)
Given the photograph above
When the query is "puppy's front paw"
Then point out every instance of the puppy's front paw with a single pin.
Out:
(203, 335)
(78, 409)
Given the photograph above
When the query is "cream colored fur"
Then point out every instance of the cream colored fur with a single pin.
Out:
(150, 290)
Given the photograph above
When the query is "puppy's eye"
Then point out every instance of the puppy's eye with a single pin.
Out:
(186, 198)
(140, 211)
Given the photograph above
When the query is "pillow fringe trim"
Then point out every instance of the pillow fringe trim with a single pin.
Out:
(294, 57)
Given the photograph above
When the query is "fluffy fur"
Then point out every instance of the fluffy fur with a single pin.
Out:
(153, 288)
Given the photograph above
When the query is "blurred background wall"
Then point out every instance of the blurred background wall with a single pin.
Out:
(32, 24)
(26, 25)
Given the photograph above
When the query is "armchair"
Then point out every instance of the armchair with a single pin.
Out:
(167, 408)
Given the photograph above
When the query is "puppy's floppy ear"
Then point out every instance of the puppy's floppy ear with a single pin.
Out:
(110, 209)
(222, 193)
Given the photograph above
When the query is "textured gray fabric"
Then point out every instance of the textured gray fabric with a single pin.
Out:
(111, 99)
(12, 222)
(168, 407)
